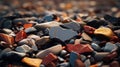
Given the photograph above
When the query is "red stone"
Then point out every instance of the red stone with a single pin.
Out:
(79, 48)
(49, 58)
(7, 38)
(20, 35)
(89, 29)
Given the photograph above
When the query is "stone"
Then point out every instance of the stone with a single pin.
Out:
(114, 64)
(30, 30)
(42, 41)
(63, 53)
(29, 42)
(79, 48)
(49, 17)
(100, 55)
(109, 47)
(89, 29)
(60, 59)
(8, 31)
(33, 62)
(4, 51)
(34, 37)
(62, 34)
(83, 57)
(54, 49)
(20, 35)
(73, 58)
(104, 31)
(117, 32)
(95, 46)
(8, 39)
(13, 56)
(72, 25)
(24, 48)
(86, 37)
(45, 25)
(113, 20)
(87, 63)
(79, 63)
(65, 64)
(49, 58)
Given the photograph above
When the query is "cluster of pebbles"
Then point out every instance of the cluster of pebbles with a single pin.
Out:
(58, 39)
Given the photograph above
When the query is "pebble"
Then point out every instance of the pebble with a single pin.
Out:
(33, 62)
(55, 50)
(72, 25)
(104, 31)
(24, 48)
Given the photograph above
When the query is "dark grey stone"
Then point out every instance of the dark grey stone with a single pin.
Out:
(61, 33)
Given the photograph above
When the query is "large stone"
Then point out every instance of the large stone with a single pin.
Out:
(61, 33)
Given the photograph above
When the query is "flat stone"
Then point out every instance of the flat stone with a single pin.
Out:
(20, 35)
(43, 26)
(100, 55)
(61, 34)
(86, 37)
(33, 62)
(13, 56)
(8, 39)
(109, 47)
(30, 30)
(73, 57)
(55, 50)
(42, 41)
(34, 37)
(104, 31)
(49, 58)
(72, 25)
(79, 48)
(29, 42)
(24, 48)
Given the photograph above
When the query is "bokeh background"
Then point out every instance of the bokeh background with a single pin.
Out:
(91, 7)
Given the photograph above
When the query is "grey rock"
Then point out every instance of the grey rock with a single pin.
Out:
(109, 47)
(72, 25)
(24, 48)
(87, 63)
(61, 33)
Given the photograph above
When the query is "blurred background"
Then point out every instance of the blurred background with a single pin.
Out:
(86, 7)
